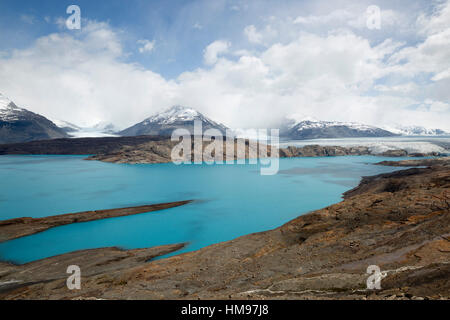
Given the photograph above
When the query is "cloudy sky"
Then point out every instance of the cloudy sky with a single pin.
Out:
(243, 63)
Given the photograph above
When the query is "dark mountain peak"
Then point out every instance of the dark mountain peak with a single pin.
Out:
(310, 128)
(175, 117)
(20, 125)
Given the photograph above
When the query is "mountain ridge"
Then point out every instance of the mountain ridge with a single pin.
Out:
(311, 128)
(21, 125)
(414, 130)
(175, 117)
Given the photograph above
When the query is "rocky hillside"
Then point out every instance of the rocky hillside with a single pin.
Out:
(20, 125)
(315, 129)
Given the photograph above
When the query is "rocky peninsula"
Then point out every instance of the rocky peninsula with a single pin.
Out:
(20, 227)
(398, 221)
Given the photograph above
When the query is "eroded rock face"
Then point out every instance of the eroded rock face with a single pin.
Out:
(20, 125)
(325, 254)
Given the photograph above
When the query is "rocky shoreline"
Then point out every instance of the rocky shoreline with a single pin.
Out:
(92, 262)
(415, 163)
(158, 149)
(160, 152)
(398, 221)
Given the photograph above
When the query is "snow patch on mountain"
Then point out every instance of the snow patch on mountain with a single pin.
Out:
(300, 127)
(302, 122)
(176, 114)
(416, 131)
(9, 112)
(166, 122)
(4, 101)
(310, 124)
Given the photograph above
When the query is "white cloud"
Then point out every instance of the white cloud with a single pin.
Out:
(442, 75)
(430, 56)
(212, 51)
(253, 35)
(337, 75)
(83, 79)
(146, 45)
(433, 54)
(405, 88)
(437, 22)
(437, 106)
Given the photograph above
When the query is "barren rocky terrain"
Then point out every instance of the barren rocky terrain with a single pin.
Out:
(398, 221)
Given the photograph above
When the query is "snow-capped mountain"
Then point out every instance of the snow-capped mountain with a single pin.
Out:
(166, 122)
(416, 131)
(311, 128)
(20, 125)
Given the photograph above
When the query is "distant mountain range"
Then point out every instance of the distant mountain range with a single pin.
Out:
(310, 128)
(416, 131)
(20, 125)
(166, 122)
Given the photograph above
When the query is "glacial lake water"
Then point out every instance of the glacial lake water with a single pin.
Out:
(230, 200)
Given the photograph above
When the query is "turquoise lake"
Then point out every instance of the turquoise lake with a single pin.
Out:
(230, 200)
